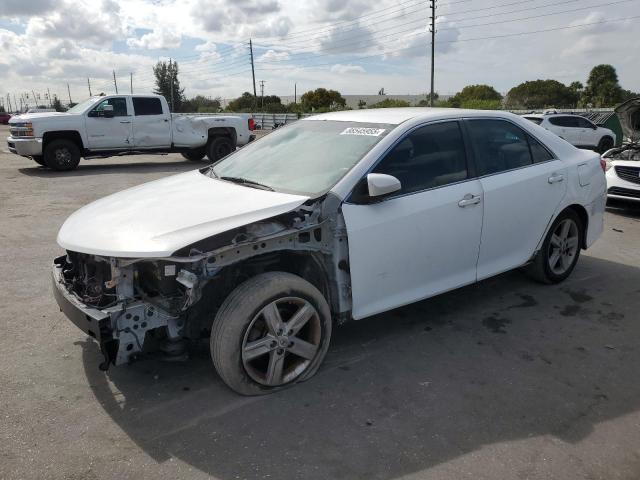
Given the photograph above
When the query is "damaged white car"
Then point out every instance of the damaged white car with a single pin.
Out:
(623, 163)
(340, 216)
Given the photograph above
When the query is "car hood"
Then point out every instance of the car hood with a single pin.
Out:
(629, 116)
(28, 117)
(157, 218)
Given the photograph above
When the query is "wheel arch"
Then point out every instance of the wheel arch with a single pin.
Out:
(308, 265)
(584, 218)
(72, 135)
(229, 132)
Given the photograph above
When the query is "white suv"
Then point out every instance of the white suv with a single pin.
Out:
(576, 130)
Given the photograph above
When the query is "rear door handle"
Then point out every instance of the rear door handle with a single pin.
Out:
(125, 121)
(468, 200)
(556, 178)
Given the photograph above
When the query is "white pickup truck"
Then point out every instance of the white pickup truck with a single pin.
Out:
(111, 125)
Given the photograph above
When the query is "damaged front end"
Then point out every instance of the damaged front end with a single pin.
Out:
(135, 305)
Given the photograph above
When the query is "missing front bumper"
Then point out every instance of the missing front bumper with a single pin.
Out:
(120, 330)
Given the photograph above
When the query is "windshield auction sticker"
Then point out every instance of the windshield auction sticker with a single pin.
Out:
(370, 132)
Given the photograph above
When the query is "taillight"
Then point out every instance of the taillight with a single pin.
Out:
(252, 124)
(603, 164)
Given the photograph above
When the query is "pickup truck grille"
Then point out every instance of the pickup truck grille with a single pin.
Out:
(630, 174)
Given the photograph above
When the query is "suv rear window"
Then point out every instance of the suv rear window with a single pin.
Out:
(147, 106)
(571, 122)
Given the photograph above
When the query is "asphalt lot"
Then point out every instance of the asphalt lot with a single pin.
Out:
(503, 379)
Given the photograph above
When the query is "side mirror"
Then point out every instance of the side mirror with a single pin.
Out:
(379, 184)
(107, 111)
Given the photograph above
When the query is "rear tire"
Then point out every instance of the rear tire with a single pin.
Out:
(560, 250)
(39, 159)
(605, 144)
(62, 155)
(257, 347)
(195, 155)
(219, 147)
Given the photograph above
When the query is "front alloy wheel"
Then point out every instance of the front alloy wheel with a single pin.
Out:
(281, 341)
(272, 331)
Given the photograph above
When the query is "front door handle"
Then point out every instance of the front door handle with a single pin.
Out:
(125, 121)
(555, 178)
(468, 200)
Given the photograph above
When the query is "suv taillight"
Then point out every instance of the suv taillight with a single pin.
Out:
(603, 164)
(252, 124)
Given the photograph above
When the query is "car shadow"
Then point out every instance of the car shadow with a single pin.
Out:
(401, 392)
(85, 169)
(623, 209)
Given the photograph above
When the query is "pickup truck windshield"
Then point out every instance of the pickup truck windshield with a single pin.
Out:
(307, 157)
(82, 106)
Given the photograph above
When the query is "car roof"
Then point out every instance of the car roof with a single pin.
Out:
(396, 116)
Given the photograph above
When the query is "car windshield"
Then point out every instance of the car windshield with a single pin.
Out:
(307, 157)
(82, 106)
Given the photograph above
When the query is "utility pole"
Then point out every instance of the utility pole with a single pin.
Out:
(35, 99)
(15, 102)
(89, 85)
(432, 4)
(115, 83)
(295, 93)
(131, 81)
(49, 95)
(9, 102)
(253, 74)
(69, 92)
(172, 106)
(262, 94)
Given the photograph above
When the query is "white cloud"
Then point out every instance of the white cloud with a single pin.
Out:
(25, 8)
(160, 38)
(273, 56)
(345, 69)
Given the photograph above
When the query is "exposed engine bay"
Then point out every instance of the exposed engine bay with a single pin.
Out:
(139, 305)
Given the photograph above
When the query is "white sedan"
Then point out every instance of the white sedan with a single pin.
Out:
(336, 217)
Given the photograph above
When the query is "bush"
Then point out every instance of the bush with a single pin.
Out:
(390, 103)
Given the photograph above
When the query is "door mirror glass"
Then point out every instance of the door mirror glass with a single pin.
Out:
(107, 111)
(380, 184)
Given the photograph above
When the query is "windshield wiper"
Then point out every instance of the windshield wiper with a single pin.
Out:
(248, 183)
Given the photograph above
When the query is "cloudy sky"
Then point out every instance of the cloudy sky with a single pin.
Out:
(355, 46)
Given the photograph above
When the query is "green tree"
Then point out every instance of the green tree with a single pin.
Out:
(474, 93)
(603, 89)
(57, 104)
(390, 103)
(541, 94)
(244, 103)
(2, 110)
(322, 99)
(362, 104)
(201, 104)
(166, 74)
(426, 102)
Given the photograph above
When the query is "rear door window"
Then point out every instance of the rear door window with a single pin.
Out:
(498, 146)
(147, 106)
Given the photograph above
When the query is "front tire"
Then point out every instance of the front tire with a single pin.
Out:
(560, 250)
(194, 155)
(219, 147)
(39, 159)
(62, 155)
(271, 332)
(605, 144)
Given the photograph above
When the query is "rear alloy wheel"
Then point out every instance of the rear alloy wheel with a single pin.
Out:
(219, 147)
(605, 144)
(195, 155)
(560, 250)
(272, 331)
(62, 155)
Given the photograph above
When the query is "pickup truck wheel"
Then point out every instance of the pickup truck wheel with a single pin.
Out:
(605, 144)
(39, 159)
(272, 331)
(62, 155)
(560, 250)
(219, 147)
(195, 155)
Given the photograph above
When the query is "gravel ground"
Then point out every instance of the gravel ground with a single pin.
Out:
(503, 379)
